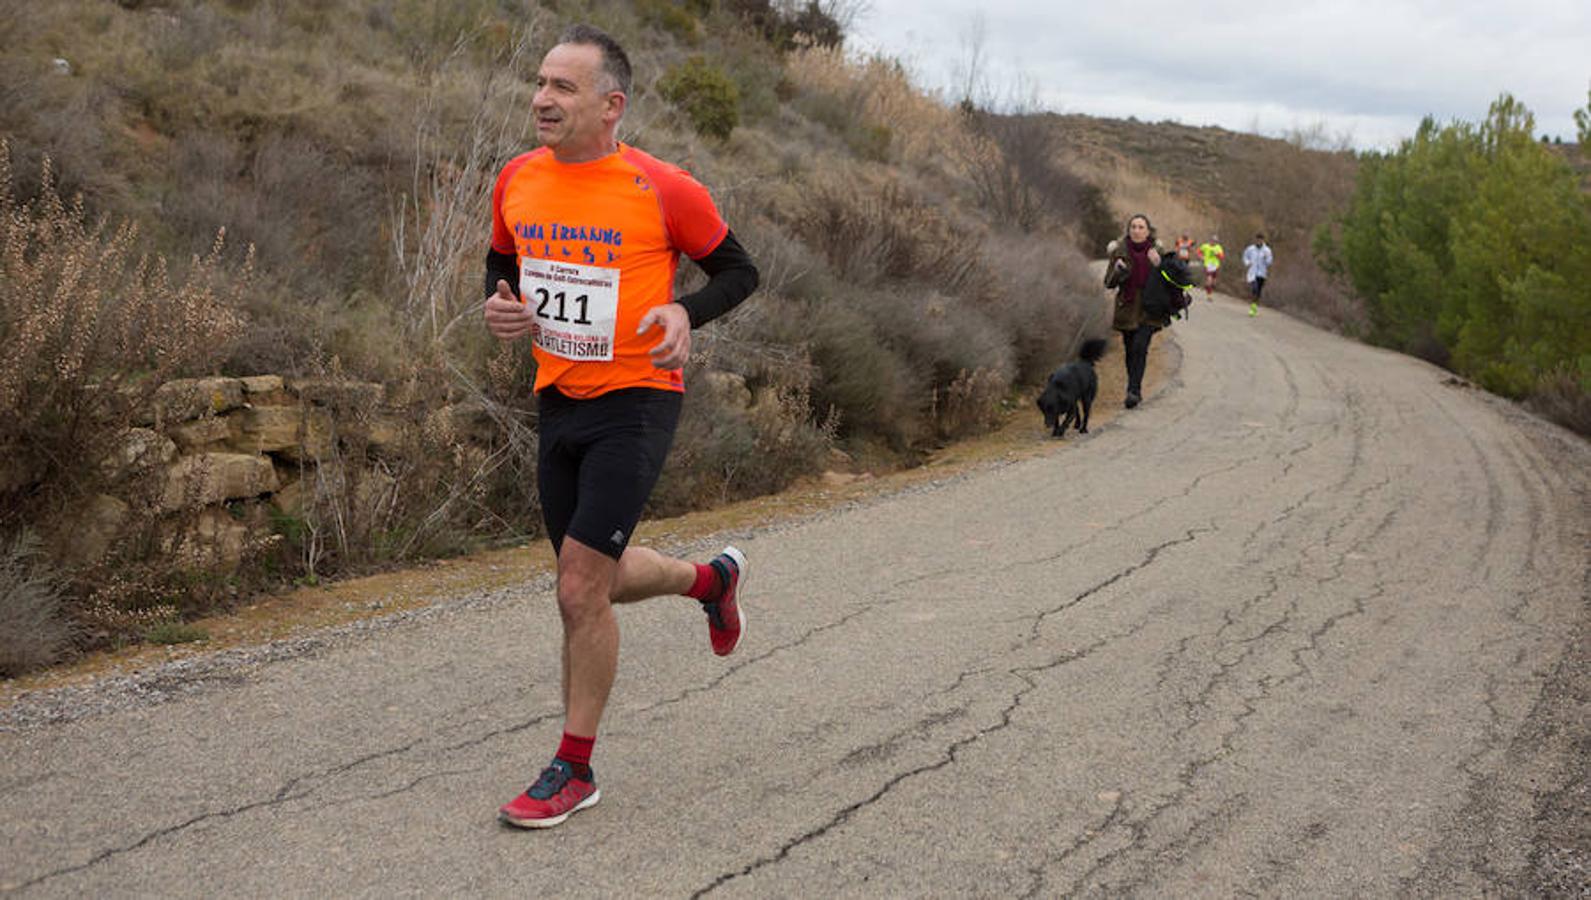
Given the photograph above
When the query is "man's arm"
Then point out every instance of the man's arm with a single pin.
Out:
(731, 277)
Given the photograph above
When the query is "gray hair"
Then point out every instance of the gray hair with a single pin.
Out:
(615, 63)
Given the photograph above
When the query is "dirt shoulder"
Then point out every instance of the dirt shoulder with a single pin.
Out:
(301, 612)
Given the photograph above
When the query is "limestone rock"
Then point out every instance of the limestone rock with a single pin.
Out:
(266, 429)
(317, 441)
(214, 537)
(201, 434)
(362, 493)
(207, 478)
(290, 497)
(385, 435)
(137, 449)
(295, 432)
(190, 398)
(265, 390)
(255, 385)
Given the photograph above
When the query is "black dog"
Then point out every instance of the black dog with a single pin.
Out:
(1069, 395)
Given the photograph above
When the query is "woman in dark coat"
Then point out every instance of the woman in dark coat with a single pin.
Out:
(1132, 259)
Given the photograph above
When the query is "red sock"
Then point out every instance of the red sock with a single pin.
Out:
(706, 586)
(576, 750)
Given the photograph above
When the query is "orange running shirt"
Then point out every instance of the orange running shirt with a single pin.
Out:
(598, 244)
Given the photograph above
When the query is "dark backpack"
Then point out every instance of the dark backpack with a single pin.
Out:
(1165, 294)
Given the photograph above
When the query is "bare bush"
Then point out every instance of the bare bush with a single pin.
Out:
(1563, 398)
(1309, 293)
(1048, 300)
(739, 438)
(886, 234)
(436, 234)
(34, 630)
(90, 327)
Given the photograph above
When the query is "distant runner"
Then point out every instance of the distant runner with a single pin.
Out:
(1257, 257)
(1185, 248)
(1212, 254)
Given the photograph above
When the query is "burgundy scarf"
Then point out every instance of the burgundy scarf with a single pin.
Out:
(1139, 276)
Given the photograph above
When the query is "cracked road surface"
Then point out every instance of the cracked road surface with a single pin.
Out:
(1300, 624)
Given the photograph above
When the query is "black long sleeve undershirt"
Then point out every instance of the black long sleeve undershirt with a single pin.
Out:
(731, 277)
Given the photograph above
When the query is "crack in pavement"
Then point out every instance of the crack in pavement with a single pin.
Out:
(152, 836)
(1149, 558)
(289, 791)
(1138, 829)
(845, 814)
(1118, 809)
(1026, 674)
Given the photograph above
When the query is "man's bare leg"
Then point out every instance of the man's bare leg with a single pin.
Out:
(646, 573)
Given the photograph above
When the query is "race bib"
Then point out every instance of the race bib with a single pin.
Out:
(576, 307)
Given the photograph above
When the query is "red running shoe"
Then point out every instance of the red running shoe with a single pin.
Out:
(549, 801)
(726, 622)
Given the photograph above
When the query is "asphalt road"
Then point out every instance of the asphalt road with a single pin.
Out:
(1311, 621)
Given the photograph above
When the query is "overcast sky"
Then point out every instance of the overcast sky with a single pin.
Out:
(1367, 70)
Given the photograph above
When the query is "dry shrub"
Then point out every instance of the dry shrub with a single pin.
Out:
(857, 101)
(970, 404)
(959, 359)
(456, 469)
(1032, 188)
(159, 571)
(865, 387)
(284, 194)
(462, 469)
(1304, 290)
(1016, 175)
(90, 327)
(1564, 399)
(750, 424)
(1048, 300)
(872, 235)
(738, 439)
(34, 630)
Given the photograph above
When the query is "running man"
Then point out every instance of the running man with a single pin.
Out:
(1212, 254)
(586, 237)
(1184, 248)
(1257, 257)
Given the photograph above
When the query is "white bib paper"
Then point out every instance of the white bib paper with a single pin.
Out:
(576, 307)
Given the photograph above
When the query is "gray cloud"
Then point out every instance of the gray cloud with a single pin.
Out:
(1372, 68)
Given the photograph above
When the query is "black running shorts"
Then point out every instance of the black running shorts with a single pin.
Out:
(597, 461)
